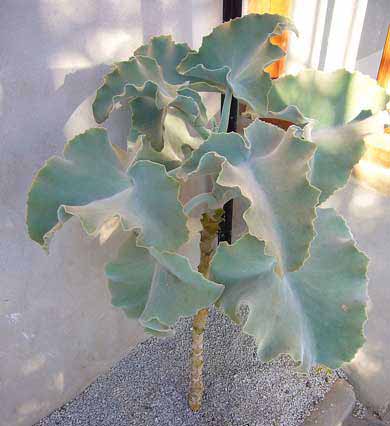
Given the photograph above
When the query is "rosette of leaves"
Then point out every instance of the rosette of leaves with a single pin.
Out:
(296, 265)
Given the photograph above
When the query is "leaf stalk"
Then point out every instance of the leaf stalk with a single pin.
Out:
(223, 125)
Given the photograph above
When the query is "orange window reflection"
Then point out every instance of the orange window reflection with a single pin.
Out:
(280, 7)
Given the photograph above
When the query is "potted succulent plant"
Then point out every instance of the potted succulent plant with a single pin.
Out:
(295, 265)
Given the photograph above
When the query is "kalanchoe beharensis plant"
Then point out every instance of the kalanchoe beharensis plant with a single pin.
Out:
(295, 266)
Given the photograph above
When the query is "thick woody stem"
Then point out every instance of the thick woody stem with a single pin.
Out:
(196, 386)
(208, 239)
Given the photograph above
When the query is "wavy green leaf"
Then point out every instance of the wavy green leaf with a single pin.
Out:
(269, 169)
(235, 54)
(91, 183)
(157, 287)
(315, 314)
(333, 100)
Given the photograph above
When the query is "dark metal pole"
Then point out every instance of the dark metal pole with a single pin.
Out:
(231, 9)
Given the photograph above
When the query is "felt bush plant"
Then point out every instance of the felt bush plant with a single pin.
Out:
(295, 265)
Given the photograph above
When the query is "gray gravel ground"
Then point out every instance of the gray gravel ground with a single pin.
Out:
(149, 386)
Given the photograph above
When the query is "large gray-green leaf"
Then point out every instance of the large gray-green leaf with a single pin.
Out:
(315, 314)
(269, 169)
(333, 100)
(90, 182)
(157, 287)
(235, 54)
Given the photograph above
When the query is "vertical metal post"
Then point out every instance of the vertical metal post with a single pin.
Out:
(231, 9)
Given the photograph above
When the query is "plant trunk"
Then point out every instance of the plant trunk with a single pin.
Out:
(208, 240)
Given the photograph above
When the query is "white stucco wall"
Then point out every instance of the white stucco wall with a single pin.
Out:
(57, 329)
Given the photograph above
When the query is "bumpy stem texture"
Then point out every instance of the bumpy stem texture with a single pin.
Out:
(210, 223)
